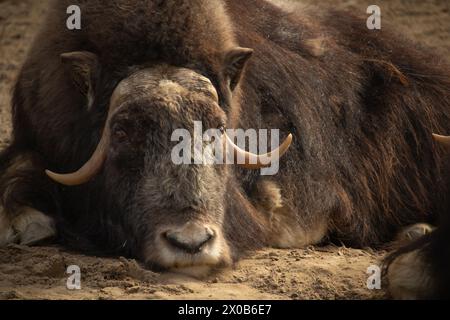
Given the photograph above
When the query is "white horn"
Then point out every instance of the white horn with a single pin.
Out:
(254, 161)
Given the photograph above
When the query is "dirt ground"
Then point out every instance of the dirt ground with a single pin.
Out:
(313, 273)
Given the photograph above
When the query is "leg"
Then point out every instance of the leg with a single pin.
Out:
(25, 195)
(7, 234)
(420, 270)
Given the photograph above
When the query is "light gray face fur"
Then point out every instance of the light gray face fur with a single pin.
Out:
(175, 212)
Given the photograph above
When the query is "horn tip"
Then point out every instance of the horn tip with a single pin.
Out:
(440, 138)
(61, 179)
(52, 175)
(49, 173)
(290, 138)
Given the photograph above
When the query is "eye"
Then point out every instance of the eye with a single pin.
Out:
(120, 134)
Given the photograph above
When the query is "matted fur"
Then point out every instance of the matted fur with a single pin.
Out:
(361, 105)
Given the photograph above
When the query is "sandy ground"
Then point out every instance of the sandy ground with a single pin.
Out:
(313, 273)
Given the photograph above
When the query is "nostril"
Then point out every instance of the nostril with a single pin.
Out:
(190, 243)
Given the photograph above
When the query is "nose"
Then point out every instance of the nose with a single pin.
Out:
(191, 238)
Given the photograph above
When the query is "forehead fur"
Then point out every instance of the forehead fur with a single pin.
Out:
(166, 81)
(171, 97)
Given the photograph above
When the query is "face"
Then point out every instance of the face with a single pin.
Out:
(172, 214)
(175, 211)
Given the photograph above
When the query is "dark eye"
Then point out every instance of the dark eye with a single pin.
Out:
(120, 134)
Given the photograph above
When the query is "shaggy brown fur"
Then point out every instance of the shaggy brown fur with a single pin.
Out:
(360, 103)
(362, 113)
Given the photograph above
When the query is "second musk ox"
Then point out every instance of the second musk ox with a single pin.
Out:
(360, 104)
(420, 270)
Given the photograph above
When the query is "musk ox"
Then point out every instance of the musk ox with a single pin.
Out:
(360, 105)
(420, 270)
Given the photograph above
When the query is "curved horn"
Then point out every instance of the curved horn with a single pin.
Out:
(89, 170)
(95, 163)
(443, 140)
(254, 161)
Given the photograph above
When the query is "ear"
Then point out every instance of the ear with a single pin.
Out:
(84, 70)
(235, 62)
